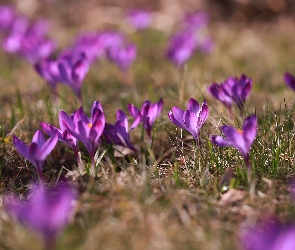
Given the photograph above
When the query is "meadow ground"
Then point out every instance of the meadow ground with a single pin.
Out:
(173, 195)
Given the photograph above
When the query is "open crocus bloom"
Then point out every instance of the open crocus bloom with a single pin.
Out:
(239, 139)
(38, 150)
(46, 211)
(192, 119)
(85, 129)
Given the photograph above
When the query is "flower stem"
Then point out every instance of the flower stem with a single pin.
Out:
(93, 168)
(248, 168)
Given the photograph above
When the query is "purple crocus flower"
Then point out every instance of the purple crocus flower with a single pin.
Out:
(269, 235)
(38, 150)
(46, 211)
(122, 56)
(239, 139)
(181, 47)
(85, 129)
(139, 19)
(73, 70)
(148, 114)
(119, 134)
(290, 80)
(192, 119)
(233, 90)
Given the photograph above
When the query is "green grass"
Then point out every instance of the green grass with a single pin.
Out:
(169, 196)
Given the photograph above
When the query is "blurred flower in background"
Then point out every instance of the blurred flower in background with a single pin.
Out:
(139, 19)
(191, 37)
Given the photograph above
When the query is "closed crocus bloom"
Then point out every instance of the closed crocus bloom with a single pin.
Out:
(191, 119)
(290, 80)
(73, 69)
(38, 150)
(46, 211)
(119, 133)
(148, 114)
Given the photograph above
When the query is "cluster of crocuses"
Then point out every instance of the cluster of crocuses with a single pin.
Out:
(189, 38)
(71, 65)
(94, 130)
(91, 131)
(20, 36)
(49, 208)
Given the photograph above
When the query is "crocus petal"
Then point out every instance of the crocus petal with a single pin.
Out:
(193, 106)
(48, 146)
(235, 138)
(203, 113)
(135, 123)
(65, 119)
(160, 106)
(96, 106)
(290, 80)
(38, 138)
(80, 69)
(80, 116)
(96, 131)
(21, 147)
(121, 116)
(64, 71)
(133, 111)
(250, 129)
(219, 141)
(176, 117)
(191, 123)
(49, 129)
(34, 156)
(83, 130)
